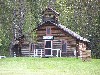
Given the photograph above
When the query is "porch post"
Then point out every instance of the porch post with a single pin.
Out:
(34, 52)
(57, 52)
(60, 53)
(51, 52)
(41, 52)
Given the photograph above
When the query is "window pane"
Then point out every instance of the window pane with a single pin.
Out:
(64, 46)
(48, 44)
(48, 30)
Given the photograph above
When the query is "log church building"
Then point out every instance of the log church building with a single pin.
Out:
(55, 39)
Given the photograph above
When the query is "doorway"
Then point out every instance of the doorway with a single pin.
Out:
(48, 47)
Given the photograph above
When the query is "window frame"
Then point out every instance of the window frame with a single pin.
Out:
(47, 31)
(64, 43)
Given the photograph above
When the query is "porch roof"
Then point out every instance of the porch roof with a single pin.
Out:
(67, 30)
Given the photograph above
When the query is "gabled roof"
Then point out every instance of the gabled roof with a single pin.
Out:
(72, 33)
(51, 10)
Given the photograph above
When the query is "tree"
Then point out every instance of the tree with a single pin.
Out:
(81, 16)
(5, 25)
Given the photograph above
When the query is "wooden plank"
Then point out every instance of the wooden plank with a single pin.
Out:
(55, 28)
(42, 28)
(40, 35)
(39, 32)
(66, 38)
(59, 35)
(56, 31)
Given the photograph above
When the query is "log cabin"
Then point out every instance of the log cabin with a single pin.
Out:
(55, 39)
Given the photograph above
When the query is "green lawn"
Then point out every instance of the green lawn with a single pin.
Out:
(48, 66)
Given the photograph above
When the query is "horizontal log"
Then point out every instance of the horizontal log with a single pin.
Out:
(42, 28)
(66, 38)
(40, 35)
(59, 32)
(59, 35)
(56, 31)
(57, 43)
(38, 32)
(55, 28)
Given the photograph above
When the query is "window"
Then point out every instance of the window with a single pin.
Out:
(46, 15)
(48, 44)
(51, 16)
(48, 31)
(64, 46)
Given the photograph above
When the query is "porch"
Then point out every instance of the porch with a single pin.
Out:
(42, 53)
(47, 48)
(35, 50)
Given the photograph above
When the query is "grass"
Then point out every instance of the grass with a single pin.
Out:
(48, 66)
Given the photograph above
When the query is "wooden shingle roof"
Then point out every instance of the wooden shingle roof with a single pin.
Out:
(67, 30)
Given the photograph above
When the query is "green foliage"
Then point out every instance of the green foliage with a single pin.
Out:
(0, 42)
(5, 26)
(83, 17)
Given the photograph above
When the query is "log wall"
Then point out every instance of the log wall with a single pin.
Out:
(84, 54)
(59, 35)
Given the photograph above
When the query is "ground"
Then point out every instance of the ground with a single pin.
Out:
(48, 66)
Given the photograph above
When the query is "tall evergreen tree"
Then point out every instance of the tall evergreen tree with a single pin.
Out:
(81, 16)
